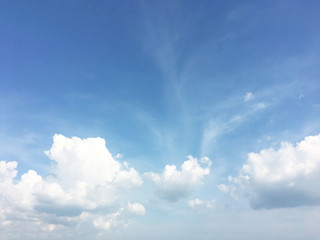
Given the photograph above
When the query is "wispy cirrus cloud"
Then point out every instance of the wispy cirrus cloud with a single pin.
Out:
(237, 113)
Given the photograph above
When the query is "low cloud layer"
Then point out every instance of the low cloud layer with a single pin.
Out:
(173, 184)
(287, 177)
(85, 186)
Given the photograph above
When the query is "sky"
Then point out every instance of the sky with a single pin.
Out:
(159, 119)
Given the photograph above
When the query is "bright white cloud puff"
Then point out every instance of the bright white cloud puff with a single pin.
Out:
(136, 208)
(173, 184)
(286, 177)
(88, 161)
(86, 186)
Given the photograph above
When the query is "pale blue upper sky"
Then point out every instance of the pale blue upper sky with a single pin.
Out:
(161, 80)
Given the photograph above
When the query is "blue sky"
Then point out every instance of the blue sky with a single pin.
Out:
(171, 119)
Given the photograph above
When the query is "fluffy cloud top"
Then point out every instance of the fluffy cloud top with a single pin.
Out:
(173, 184)
(286, 177)
(88, 161)
(136, 208)
(85, 185)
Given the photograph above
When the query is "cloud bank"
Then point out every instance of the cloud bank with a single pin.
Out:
(86, 185)
(287, 177)
(173, 184)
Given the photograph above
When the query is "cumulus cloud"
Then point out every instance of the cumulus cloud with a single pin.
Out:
(286, 177)
(173, 184)
(136, 208)
(85, 185)
(202, 204)
(92, 161)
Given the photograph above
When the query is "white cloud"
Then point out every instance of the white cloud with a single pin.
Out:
(118, 156)
(136, 208)
(118, 219)
(86, 185)
(86, 160)
(173, 184)
(128, 178)
(260, 106)
(230, 189)
(202, 204)
(286, 177)
(111, 220)
(7, 171)
(249, 96)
